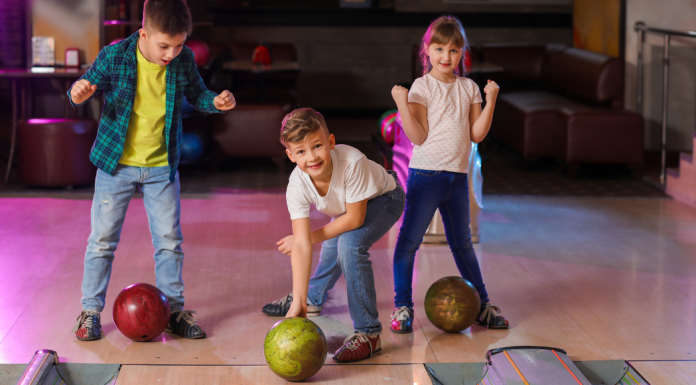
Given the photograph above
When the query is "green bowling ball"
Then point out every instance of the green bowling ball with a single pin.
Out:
(452, 304)
(295, 348)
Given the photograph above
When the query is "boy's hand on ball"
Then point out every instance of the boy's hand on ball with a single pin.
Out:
(400, 95)
(297, 310)
(285, 245)
(225, 101)
(82, 90)
(491, 91)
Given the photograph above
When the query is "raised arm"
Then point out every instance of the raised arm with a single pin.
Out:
(479, 120)
(414, 116)
(92, 82)
(197, 94)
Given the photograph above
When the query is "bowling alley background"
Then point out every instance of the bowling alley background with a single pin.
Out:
(568, 251)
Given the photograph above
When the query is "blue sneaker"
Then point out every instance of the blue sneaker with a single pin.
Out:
(402, 320)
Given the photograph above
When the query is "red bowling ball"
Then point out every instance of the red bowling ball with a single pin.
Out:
(201, 52)
(141, 312)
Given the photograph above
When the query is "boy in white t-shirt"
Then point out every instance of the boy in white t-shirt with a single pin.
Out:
(363, 200)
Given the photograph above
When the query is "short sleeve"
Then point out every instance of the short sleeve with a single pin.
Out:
(419, 92)
(477, 93)
(298, 204)
(360, 183)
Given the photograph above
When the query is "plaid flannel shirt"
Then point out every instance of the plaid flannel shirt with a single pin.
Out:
(115, 73)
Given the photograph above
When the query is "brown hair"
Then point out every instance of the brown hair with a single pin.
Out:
(170, 17)
(300, 123)
(443, 30)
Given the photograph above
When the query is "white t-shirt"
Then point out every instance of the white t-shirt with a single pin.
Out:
(448, 144)
(354, 178)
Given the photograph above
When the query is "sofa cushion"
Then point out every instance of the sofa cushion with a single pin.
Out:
(595, 135)
(531, 122)
(522, 62)
(590, 75)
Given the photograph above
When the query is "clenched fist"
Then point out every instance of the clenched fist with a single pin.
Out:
(225, 101)
(400, 95)
(81, 91)
(491, 91)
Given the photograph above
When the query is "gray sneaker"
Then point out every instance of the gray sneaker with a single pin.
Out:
(279, 308)
(88, 326)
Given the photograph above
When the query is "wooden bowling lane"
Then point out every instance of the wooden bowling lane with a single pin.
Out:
(622, 269)
(601, 278)
(261, 375)
(231, 269)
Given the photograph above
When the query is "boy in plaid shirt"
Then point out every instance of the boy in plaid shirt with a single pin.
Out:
(144, 79)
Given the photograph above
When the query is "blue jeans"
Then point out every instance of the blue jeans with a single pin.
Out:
(427, 191)
(112, 194)
(349, 254)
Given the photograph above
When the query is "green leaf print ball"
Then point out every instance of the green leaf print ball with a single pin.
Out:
(295, 348)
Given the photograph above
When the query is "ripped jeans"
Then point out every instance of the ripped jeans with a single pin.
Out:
(112, 194)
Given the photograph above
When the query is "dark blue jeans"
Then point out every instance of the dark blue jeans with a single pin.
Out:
(427, 191)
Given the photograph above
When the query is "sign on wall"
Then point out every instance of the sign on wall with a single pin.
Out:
(72, 23)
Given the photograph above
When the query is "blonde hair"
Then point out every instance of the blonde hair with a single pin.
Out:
(443, 30)
(300, 123)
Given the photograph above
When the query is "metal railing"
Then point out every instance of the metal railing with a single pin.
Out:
(642, 29)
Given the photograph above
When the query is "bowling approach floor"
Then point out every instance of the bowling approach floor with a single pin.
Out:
(602, 278)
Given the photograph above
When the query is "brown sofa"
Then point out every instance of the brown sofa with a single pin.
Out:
(55, 152)
(563, 102)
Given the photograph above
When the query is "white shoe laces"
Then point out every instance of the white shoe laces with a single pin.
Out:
(187, 315)
(401, 314)
(489, 312)
(353, 342)
(85, 319)
(283, 300)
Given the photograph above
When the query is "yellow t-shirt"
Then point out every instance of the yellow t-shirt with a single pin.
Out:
(145, 143)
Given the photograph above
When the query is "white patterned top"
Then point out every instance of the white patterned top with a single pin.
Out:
(448, 143)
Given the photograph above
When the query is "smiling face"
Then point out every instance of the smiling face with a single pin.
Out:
(313, 154)
(444, 58)
(160, 48)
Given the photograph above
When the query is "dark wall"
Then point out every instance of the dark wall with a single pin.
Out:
(351, 58)
(356, 67)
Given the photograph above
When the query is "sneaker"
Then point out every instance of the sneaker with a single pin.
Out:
(402, 320)
(279, 308)
(88, 326)
(358, 347)
(490, 317)
(181, 322)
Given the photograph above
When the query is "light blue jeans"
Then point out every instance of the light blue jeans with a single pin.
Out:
(112, 194)
(349, 254)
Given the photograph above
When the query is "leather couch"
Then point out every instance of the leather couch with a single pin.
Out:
(55, 152)
(563, 102)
